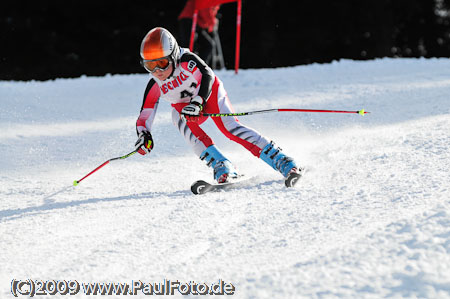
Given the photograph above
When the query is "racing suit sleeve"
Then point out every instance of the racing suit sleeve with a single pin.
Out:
(149, 107)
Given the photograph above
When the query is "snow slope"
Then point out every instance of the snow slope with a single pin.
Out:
(370, 219)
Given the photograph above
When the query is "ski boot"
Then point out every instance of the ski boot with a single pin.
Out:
(282, 163)
(223, 169)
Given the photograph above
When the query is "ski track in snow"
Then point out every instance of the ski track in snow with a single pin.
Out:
(370, 218)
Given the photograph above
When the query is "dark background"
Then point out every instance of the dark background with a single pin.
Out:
(49, 39)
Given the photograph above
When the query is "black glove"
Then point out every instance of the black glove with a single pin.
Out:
(193, 111)
(144, 144)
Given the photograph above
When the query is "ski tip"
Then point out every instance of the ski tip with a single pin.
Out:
(75, 183)
(200, 187)
(292, 180)
(294, 177)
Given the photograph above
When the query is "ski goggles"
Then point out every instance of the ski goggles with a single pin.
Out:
(156, 64)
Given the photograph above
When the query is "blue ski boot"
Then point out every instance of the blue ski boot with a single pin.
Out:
(279, 161)
(223, 169)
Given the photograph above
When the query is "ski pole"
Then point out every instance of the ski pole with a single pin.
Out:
(361, 112)
(75, 183)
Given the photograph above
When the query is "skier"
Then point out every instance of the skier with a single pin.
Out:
(182, 78)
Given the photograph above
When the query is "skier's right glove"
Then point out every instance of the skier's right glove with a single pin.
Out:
(144, 144)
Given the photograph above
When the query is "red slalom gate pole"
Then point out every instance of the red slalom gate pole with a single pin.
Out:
(238, 36)
(75, 183)
(360, 112)
(194, 25)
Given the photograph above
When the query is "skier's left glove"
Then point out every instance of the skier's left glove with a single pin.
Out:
(144, 144)
(193, 111)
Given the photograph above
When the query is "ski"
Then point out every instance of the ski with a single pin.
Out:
(202, 187)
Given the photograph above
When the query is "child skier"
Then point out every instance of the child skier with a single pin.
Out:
(182, 78)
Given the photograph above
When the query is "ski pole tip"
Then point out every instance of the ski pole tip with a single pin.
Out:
(362, 112)
(75, 183)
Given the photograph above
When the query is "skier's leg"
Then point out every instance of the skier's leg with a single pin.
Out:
(192, 133)
(203, 146)
(252, 140)
(230, 126)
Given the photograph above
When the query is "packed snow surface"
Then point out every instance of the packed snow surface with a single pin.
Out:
(370, 218)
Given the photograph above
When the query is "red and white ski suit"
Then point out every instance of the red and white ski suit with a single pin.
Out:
(193, 77)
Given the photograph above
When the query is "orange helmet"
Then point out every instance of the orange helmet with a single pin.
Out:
(158, 44)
